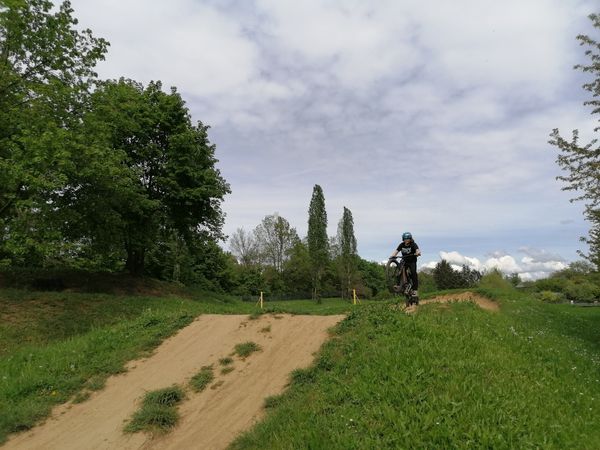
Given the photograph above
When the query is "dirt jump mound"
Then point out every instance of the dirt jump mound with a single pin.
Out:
(482, 302)
(210, 419)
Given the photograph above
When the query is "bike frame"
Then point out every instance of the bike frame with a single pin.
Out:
(402, 277)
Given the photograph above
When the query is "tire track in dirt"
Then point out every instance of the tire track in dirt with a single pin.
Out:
(210, 419)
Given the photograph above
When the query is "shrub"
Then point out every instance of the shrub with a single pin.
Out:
(494, 280)
(554, 284)
(158, 411)
(582, 292)
(550, 297)
(246, 349)
(202, 379)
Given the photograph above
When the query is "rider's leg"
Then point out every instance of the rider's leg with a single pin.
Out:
(414, 277)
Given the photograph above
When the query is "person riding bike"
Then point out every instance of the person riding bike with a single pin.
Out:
(409, 250)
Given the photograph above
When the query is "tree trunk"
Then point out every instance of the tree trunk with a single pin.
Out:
(135, 261)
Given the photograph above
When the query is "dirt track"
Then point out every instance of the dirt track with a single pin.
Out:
(210, 419)
(482, 302)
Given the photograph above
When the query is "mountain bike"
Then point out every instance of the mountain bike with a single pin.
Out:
(399, 279)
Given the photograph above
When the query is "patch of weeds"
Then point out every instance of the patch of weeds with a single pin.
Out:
(226, 361)
(246, 349)
(266, 329)
(303, 376)
(81, 397)
(96, 383)
(273, 401)
(158, 411)
(202, 379)
(255, 315)
(226, 370)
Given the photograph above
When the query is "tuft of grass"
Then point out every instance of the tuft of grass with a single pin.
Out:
(273, 401)
(81, 397)
(255, 315)
(226, 361)
(226, 370)
(246, 349)
(266, 329)
(202, 379)
(158, 412)
(165, 397)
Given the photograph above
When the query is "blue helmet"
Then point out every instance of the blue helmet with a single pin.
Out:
(406, 236)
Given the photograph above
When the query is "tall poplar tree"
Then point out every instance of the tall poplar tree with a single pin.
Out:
(318, 243)
(581, 162)
(347, 248)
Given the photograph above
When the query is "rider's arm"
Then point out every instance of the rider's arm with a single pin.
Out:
(394, 254)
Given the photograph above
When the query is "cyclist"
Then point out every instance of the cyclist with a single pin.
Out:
(410, 250)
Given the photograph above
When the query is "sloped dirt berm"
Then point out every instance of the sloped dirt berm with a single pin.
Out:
(482, 302)
(210, 419)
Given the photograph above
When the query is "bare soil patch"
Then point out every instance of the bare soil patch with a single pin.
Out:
(482, 302)
(212, 418)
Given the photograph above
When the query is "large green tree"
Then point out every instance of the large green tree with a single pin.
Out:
(155, 174)
(318, 243)
(582, 161)
(46, 71)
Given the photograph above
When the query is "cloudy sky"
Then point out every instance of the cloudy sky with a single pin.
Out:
(426, 116)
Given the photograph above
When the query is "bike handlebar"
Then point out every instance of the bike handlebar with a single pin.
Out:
(403, 256)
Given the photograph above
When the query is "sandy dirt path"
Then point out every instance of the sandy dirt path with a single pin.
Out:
(210, 419)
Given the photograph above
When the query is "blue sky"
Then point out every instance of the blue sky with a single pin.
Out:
(431, 117)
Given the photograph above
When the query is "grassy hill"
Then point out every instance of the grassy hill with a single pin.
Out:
(447, 376)
(60, 346)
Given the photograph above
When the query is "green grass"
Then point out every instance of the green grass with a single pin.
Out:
(246, 349)
(329, 306)
(158, 412)
(226, 370)
(450, 376)
(29, 318)
(202, 379)
(226, 361)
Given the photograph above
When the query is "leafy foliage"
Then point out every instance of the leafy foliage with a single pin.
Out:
(581, 161)
(275, 238)
(447, 278)
(46, 72)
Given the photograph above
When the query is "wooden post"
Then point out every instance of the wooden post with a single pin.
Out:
(260, 300)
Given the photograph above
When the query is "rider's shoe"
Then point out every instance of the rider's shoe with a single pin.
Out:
(415, 293)
(397, 288)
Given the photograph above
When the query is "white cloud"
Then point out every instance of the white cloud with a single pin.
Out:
(182, 42)
(528, 268)
(428, 116)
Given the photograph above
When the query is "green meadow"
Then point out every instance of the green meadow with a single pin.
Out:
(447, 376)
